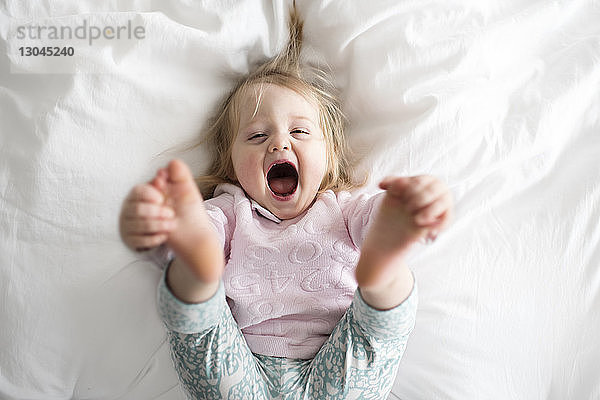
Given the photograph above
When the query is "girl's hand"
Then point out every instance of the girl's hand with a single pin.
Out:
(170, 209)
(413, 209)
(145, 221)
(422, 203)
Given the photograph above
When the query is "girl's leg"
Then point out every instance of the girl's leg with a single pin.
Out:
(210, 354)
(361, 357)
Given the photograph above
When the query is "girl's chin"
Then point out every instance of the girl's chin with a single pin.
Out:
(288, 209)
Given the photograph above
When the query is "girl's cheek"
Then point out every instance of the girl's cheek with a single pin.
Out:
(247, 169)
(252, 164)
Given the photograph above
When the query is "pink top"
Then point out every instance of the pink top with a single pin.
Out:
(289, 282)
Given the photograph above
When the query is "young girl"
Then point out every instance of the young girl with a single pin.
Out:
(268, 295)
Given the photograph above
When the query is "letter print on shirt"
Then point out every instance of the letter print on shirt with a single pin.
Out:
(280, 281)
(346, 257)
(344, 252)
(245, 284)
(314, 279)
(305, 252)
(260, 256)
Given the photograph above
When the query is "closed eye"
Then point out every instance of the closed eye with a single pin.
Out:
(256, 136)
(300, 131)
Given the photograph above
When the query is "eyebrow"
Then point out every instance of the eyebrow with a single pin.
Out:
(258, 120)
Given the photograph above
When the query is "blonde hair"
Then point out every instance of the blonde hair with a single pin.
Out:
(284, 70)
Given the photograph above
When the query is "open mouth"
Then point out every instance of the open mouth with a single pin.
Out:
(282, 179)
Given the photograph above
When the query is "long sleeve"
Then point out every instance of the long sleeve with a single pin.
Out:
(359, 212)
(221, 213)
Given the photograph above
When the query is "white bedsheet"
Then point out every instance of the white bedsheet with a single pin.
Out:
(499, 99)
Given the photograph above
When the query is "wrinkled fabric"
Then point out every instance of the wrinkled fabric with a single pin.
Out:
(499, 100)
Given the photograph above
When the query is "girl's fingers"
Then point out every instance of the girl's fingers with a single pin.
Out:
(135, 210)
(446, 218)
(148, 226)
(427, 192)
(418, 183)
(146, 193)
(145, 242)
(160, 180)
(405, 187)
(424, 197)
(433, 213)
(439, 226)
(395, 186)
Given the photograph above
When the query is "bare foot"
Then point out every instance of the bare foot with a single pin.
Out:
(413, 209)
(193, 238)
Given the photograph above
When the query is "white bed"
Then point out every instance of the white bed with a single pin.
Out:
(501, 99)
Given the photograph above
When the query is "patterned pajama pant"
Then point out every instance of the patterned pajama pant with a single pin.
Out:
(358, 361)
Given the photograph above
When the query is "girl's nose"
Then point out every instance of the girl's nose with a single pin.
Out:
(279, 143)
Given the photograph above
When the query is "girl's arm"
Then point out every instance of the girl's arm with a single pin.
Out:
(184, 285)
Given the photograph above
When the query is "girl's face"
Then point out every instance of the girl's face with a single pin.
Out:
(279, 154)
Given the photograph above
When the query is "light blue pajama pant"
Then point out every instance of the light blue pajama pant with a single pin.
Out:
(358, 361)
